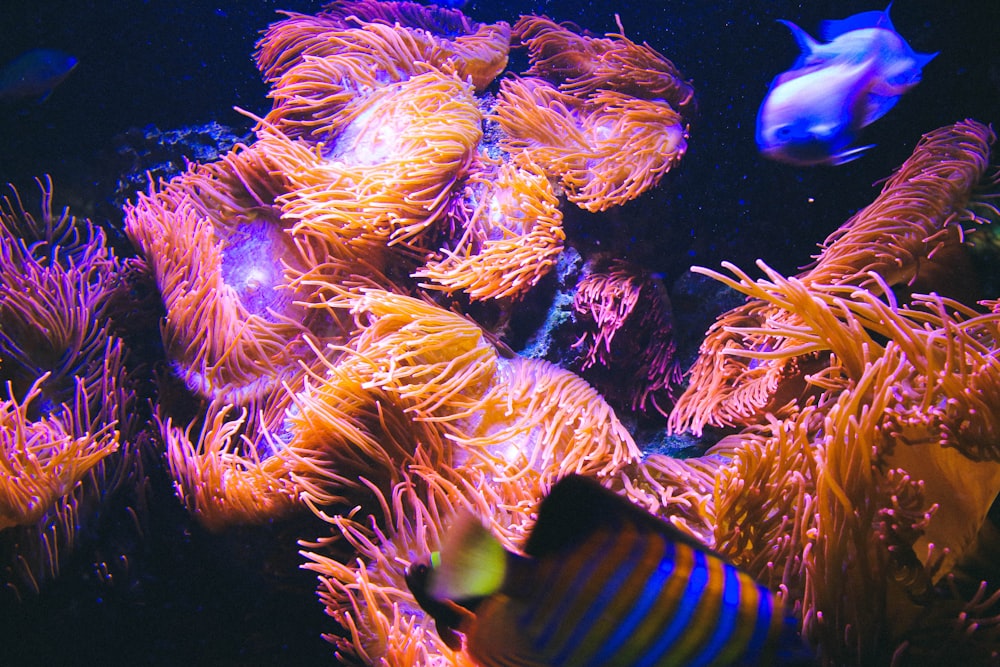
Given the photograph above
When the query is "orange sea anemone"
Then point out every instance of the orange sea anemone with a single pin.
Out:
(43, 459)
(437, 35)
(381, 623)
(511, 235)
(582, 65)
(67, 437)
(623, 309)
(235, 472)
(324, 67)
(886, 474)
(509, 414)
(605, 149)
(746, 369)
(419, 413)
(389, 174)
(217, 247)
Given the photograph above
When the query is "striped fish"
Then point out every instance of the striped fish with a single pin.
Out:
(601, 583)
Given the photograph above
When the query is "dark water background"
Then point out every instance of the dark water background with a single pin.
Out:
(200, 600)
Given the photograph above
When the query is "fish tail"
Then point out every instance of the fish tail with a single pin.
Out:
(472, 564)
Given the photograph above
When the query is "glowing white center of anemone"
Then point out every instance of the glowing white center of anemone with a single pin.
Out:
(373, 137)
(255, 279)
(251, 266)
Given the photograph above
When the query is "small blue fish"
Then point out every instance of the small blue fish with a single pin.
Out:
(34, 74)
(601, 583)
(813, 113)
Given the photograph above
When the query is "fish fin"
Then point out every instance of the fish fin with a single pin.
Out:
(830, 30)
(924, 58)
(448, 616)
(849, 155)
(807, 45)
(472, 562)
(876, 106)
(492, 643)
(579, 506)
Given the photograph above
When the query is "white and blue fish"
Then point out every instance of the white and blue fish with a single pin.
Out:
(814, 112)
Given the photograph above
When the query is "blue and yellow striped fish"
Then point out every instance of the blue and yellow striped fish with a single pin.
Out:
(601, 583)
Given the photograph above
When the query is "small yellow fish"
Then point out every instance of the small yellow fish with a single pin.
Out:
(601, 582)
(814, 112)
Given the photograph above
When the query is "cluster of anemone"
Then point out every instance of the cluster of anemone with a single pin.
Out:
(317, 288)
(68, 424)
(865, 462)
(314, 283)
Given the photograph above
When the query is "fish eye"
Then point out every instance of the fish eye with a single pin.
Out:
(783, 132)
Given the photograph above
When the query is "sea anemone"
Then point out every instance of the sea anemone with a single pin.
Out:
(746, 368)
(420, 407)
(603, 116)
(236, 471)
(388, 175)
(382, 624)
(890, 468)
(523, 416)
(605, 149)
(511, 235)
(441, 35)
(217, 247)
(582, 65)
(627, 342)
(323, 67)
(67, 407)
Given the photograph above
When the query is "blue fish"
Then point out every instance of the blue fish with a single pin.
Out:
(814, 112)
(34, 74)
(601, 582)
